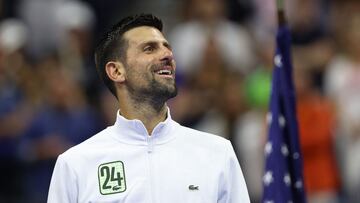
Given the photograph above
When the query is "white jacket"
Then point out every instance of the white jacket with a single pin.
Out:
(123, 164)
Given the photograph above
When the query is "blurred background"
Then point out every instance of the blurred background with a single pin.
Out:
(51, 97)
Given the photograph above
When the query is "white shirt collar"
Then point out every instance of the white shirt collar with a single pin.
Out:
(134, 131)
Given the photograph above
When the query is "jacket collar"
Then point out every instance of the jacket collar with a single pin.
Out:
(134, 131)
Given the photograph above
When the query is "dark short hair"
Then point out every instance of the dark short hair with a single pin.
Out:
(113, 46)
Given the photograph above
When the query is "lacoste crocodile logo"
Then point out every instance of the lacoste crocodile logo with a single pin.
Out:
(115, 188)
(193, 187)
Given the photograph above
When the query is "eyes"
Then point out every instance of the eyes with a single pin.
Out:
(151, 47)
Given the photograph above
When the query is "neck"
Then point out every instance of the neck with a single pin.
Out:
(146, 112)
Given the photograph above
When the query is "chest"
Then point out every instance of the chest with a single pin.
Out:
(160, 175)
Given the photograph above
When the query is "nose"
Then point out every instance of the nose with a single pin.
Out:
(167, 55)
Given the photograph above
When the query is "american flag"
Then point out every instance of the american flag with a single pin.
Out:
(283, 177)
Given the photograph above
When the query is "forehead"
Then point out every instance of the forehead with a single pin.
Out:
(143, 34)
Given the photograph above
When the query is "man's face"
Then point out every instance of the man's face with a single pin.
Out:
(150, 66)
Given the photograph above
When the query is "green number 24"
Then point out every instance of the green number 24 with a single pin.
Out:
(110, 175)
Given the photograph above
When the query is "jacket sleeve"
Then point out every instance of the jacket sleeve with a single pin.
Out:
(63, 186)
(233, 187)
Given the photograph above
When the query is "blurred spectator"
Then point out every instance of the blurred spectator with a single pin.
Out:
(77, 20)
(316, 56)
(15, 106)
(201, 90)
(44, 31)
(206, 19)
(316, 120)
(64, 120)
(343, 86)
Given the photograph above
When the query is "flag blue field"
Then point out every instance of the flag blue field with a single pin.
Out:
(283, 175)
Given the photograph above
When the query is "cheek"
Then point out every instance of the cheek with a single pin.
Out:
(140, 64)
(139, 73)
(139, 67)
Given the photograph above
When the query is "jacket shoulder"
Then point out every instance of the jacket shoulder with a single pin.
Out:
(201, 138)
(98, 140)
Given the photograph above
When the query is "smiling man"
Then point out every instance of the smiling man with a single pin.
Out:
(145, 157)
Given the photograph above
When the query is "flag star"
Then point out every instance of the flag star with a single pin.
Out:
(278, 61)
(268, 148)
(287, 180)
(269, 118)
(290, 201)
(284, 150)
(296, 155)
(298, 184)
(282, 121)
(268, 178)
(268, 201)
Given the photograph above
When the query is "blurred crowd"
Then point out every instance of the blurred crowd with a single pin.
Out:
(51, 97)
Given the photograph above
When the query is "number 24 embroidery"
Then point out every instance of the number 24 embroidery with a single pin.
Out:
(111, 178)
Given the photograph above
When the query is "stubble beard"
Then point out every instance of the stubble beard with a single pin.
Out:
(154, 93)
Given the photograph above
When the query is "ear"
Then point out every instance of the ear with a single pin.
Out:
(115, 71)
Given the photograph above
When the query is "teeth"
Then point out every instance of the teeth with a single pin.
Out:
(164, 72)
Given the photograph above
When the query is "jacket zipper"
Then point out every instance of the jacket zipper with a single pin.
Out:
(151, 177)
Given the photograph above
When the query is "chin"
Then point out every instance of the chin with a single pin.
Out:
(170, 93)
(173, 93)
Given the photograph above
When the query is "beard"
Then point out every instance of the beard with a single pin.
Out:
(155, 91)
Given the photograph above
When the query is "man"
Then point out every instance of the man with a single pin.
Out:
(145, 156)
